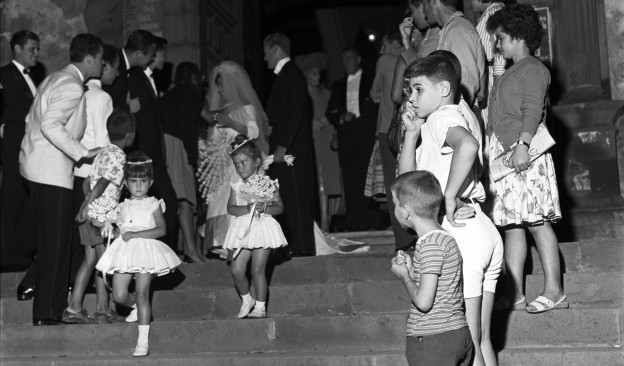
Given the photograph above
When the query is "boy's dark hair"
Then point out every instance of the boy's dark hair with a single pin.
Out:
(435, 68)
(353, 50)
(450, 56)
(111, 55)
(119, 124)
(278, 39)
(161, 43)
(394, 36)
(184, 73)
(21, 38)
(138, 165)
(84, 44)
(243, 145)
(140, 40)
(519, 21)
(420, 192)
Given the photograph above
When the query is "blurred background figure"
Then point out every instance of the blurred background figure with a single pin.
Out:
(324, 135)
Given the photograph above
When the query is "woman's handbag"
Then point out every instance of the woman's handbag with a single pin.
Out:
(395, 133)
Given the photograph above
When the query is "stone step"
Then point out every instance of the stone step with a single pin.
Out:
(347, 334)
(584, 256)
(239, 359)
(564, 356)
(584, 290)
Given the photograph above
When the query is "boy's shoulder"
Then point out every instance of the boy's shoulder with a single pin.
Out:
(111, 153)
(449, 115)
(438, 238)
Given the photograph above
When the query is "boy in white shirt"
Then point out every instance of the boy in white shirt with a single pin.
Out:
(450, 151)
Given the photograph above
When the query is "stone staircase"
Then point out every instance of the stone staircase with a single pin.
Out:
(331, 310)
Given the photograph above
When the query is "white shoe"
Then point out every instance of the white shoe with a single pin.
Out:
(258, 312)
(132, 317)
(246, 308)
(141, 350)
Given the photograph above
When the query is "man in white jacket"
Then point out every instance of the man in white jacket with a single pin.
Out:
(49, 151)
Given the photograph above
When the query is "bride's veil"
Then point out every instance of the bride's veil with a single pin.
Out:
(237, 90)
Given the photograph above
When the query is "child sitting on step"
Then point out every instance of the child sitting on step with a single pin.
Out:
(136, 253)
(253, 232)
(437, 331)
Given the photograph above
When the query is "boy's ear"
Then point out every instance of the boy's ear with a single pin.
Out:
(445, 88)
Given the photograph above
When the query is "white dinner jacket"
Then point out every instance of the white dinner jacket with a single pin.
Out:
(54, 126)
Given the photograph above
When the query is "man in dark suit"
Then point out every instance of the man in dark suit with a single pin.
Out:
(150, 136)
(289, 111)
(354, 113)
(19, 89)
(139, 52)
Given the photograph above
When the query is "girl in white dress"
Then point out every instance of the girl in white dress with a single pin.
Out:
(253, 232)
(136, 253)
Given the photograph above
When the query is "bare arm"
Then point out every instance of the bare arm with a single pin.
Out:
(397, 82)
(422, 296)
(154, 233)
(465, 148)
(95, 193)
(234, 209)
(407, 159)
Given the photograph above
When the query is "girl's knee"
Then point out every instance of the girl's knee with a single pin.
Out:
(238, 272)
(120, 296)
(257, 272)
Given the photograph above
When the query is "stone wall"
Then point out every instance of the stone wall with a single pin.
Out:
(614, 12)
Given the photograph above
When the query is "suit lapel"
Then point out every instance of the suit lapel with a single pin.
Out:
(19, 77)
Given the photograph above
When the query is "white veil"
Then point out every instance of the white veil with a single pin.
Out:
(236, 88)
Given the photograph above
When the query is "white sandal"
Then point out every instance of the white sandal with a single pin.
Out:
(542, 304)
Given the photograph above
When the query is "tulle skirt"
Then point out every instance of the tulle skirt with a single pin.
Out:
(138, 256)
(265, 233)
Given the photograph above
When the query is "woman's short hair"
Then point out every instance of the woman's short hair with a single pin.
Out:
(519, 21)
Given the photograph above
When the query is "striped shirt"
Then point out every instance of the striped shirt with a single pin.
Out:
(437, 253)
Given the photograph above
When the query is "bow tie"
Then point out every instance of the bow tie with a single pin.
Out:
(26, 71)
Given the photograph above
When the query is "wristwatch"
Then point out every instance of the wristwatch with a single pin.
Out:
(522, 142)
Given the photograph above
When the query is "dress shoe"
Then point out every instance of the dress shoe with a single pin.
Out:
(48, 321)
(25, 292)
(141, 350)
(81, 317)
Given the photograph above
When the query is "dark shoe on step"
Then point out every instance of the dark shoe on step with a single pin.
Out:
(81, 317)
(25, 292)
(48, 321)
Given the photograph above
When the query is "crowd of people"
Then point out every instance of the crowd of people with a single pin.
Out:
(201, 176)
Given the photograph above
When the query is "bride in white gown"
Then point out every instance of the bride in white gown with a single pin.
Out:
(234, 108)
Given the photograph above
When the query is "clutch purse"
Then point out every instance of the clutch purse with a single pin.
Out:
(541, 142)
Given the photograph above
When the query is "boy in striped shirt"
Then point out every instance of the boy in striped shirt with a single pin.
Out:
(437, 331)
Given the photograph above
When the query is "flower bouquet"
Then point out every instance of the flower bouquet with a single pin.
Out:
(103, 211)
(258, 189)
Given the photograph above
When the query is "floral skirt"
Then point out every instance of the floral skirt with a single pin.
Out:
(528, 198)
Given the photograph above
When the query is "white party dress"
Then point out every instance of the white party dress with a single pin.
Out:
(261, 232)
(138, 255)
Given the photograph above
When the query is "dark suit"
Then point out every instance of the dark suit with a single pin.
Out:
(356, 139)
(119, 89)
(17, 240)
(289, 111)
(149, 139)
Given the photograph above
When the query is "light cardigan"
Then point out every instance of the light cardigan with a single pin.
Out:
(519, 100)
(54, 127)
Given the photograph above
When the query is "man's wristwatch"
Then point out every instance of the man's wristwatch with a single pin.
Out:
(522, 142)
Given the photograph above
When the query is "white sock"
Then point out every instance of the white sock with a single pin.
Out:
(247, 298)
(143, 334)
(260, 305)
